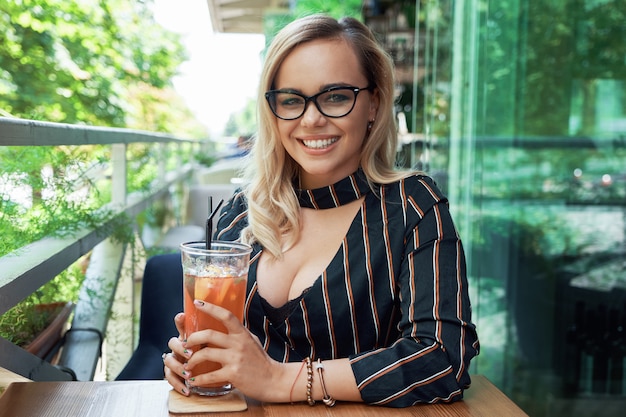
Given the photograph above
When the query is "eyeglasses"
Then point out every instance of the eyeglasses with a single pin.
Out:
(333, 102)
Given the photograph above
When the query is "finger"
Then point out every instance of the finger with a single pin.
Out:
(208, 353)
(213, 355)
(178, 348)
(173, 378)
(209, 378)
(176, 366)
(230, 321)
(179, 321)
(204, 337)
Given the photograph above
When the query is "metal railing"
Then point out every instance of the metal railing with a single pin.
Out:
(23, 271)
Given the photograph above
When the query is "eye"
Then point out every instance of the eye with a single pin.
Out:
(337, 96)
(289, 100)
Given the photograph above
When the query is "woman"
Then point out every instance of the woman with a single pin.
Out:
(355, 265)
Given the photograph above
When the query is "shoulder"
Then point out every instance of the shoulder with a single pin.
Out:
(235, 206)
(419, 189)
(234, 215)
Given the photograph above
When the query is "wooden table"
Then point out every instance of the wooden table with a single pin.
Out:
(149, 399)
(7, 377)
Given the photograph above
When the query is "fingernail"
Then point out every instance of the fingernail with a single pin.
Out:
(192, 379)
(184, 372)
(199, 302)
(184, 391)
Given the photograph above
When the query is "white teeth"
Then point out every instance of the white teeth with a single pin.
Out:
(319, 144)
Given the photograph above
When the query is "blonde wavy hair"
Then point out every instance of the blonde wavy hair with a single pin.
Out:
(273, 209)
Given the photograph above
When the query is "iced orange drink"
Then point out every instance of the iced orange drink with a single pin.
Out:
(217, 276)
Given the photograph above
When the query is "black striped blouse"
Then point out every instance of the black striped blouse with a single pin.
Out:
(394, 299)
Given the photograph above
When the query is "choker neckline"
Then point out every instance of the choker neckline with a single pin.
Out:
(342, 192)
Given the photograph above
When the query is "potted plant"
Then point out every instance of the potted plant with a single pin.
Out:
(38, 328)
(38, 323)
(56, 317)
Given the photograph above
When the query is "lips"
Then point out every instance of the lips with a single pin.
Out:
(319, 143)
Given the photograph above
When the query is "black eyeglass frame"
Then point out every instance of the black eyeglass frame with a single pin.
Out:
(356, 90)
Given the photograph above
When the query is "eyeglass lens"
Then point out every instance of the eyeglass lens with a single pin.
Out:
(334, 103)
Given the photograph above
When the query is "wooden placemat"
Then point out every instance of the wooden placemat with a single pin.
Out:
(179, 404)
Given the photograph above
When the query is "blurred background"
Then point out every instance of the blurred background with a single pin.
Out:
(517, 108)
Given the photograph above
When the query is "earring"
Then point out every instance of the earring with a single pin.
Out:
(370, 123)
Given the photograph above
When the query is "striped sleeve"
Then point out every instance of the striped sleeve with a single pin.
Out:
(428, 362)
(233, 218)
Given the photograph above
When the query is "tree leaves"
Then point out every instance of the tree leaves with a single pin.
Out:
(79, 61)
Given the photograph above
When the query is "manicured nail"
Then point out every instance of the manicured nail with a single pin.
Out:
(192, 379)
(184, 372)
(199, 302)
(184, 391)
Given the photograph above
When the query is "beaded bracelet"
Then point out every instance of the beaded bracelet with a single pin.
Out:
(309, 381)
(327, 399)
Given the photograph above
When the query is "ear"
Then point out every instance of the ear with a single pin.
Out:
(374, 103)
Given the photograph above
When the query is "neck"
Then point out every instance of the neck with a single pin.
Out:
(344, 191)
(310, 181)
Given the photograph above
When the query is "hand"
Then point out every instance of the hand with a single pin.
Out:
(175, 372)
(244, 362)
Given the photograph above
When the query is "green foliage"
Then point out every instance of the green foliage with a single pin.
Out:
(336, 8)
(205, 159)
(55, 191)
(23, 322)
(121, 229)
(49, 191)
(100, 62)
(142, 166)
(242, 123)
(531, 56)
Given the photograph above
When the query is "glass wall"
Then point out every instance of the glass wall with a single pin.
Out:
(518, 109)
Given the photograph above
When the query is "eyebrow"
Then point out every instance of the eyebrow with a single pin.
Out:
(322, 88)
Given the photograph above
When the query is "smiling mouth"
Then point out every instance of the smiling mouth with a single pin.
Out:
(319, 144)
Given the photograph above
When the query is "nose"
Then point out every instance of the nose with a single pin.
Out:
(312, 115)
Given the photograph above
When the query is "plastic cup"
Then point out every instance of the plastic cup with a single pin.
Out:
(218, 276)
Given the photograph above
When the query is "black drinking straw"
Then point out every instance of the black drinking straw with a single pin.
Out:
(209, 222)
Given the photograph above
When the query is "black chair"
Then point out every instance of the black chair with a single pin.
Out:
(161, 300)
